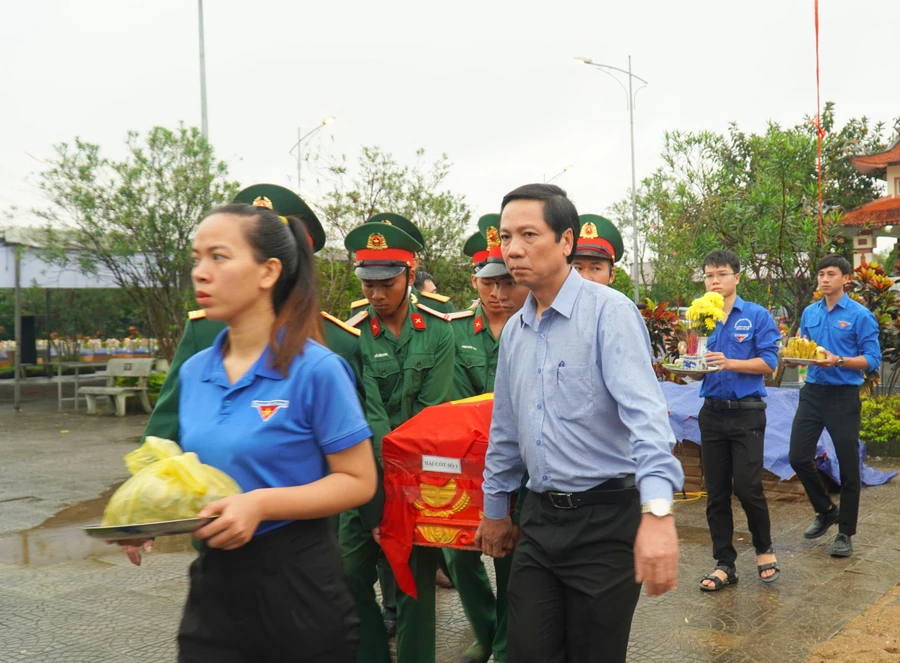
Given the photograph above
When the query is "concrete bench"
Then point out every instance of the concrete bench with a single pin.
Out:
(120, 368)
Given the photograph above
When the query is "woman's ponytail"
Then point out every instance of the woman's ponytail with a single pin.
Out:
(295, 297)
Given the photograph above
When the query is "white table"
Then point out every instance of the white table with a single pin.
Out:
(77, 366)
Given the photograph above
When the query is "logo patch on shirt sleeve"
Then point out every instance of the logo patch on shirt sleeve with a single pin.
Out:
(267, 409)
(843, 324)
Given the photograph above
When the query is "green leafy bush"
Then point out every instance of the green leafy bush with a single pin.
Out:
(9, 372)
(154, 382)
(880, 420)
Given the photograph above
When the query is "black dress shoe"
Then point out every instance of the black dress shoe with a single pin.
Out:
(821, 524)
(841, 546)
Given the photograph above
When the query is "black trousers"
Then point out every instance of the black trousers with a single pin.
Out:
(731, 446)
(571, 590)
(279, 599)
(837, 409)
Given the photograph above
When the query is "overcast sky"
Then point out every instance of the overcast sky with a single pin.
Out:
(492, 83)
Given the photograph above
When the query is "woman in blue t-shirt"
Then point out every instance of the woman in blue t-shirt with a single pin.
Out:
(278, 412)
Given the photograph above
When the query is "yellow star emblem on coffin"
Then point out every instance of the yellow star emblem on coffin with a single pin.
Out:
(437, 497)
(439, 534)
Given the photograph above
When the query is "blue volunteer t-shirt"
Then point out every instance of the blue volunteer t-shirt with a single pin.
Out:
(748, 332)
(847, 330)
(269, 430)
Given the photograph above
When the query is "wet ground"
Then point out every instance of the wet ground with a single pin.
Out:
(873, 636)
(64, 597)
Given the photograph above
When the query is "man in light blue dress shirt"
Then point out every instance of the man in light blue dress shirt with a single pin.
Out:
(577, 404)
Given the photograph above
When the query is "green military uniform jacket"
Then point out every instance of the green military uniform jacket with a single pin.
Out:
(439, 303)
(402, 376)
(200, 333)
(477, 352)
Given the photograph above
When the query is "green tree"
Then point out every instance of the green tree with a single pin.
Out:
(382, 184)
(70, 312)
(624, 283)
(873, 288)
(133, 219)
(756, 195)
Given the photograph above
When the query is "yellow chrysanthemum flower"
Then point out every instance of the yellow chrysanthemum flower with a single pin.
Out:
(706, 311)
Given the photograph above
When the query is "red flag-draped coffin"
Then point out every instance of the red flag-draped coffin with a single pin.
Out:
(433, 467)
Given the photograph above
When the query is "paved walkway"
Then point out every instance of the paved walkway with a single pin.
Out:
(64, 597)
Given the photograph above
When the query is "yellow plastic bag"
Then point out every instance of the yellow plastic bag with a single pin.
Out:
(152, 450)
(173, 488)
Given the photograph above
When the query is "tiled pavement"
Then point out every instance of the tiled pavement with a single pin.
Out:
(66, 598)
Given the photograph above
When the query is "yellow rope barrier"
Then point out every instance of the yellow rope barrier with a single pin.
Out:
(683, 498)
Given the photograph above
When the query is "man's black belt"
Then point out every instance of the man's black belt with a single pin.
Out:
(608, 492)
(749, 403)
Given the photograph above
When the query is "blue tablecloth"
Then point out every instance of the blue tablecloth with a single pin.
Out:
(684, 406)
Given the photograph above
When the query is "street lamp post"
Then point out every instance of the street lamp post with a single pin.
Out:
(300, 138)
(204, 126)
(631, 92)
(559, 174)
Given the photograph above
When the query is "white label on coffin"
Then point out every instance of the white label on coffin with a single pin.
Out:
(441, 464)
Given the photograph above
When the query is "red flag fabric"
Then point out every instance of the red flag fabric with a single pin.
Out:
(433, 469)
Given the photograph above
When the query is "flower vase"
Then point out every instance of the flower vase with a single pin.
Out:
(701, 345)
(697, 362)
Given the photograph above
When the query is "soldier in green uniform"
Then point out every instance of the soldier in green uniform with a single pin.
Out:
(476, 248)
(199, 332)
(477, 349)
(599, 246)
(408, 358)
(440, 303)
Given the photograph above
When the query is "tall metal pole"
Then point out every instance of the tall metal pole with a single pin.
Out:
(608, 69)
(17, 396)
(634, 221)
(204, 126)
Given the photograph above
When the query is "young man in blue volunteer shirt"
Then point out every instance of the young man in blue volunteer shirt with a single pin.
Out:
(848, 332)
(733, 422)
